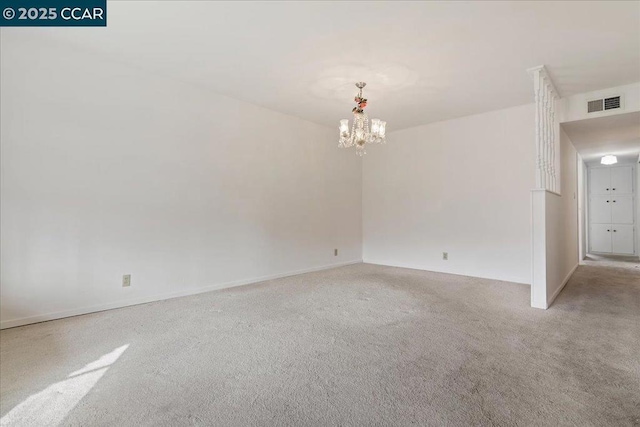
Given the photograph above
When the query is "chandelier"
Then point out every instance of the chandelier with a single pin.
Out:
(360, 133)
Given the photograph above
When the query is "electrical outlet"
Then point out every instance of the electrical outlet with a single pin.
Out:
(126, 280)
(445, 256)
(335, 252)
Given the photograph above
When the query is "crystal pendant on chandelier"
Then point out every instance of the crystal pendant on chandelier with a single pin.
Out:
(361, 134)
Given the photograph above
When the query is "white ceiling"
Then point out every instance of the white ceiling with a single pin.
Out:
(423, 61)
(619, 135)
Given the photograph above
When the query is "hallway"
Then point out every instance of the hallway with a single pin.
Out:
(602, 299)
(605, 285)
(608, 284)
(629, 263)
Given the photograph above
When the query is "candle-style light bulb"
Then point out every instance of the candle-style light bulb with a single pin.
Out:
(375, 126)
(344, 127)
(382, 130)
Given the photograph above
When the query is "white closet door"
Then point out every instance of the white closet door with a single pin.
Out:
(622, 180)
(621, 209)
(600, 181)
(601, 238)
(622, 239)
(600, 209)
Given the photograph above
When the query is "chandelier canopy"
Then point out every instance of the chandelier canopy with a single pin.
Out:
(360, 133)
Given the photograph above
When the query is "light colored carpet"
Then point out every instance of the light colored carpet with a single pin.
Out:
(630, 262)
(358, 345)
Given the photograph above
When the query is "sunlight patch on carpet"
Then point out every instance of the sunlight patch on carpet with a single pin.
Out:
(51, 405)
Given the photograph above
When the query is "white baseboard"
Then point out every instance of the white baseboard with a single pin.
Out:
(12, 323)
(517, 280)
(564, 282)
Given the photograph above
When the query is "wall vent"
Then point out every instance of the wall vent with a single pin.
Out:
(611, 103)
(604, 104)
(595, 105)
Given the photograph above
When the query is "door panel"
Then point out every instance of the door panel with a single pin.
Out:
(600, 209)
(621, 209)
(622, 180)
(599, 181)
(623, 239)
(600, 237)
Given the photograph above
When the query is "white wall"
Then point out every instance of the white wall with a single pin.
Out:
(582, 208)
(575, 107)
(562, 222)
(555, 240)
(638, 207)
(460, 186)
(109, 170)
